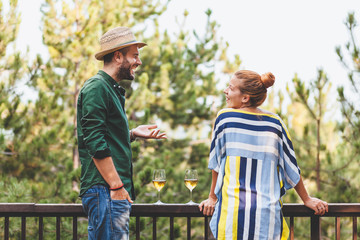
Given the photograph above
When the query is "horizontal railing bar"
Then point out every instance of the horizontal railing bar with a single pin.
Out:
(164, 210)
(25, 210)
(35, 210)
(335, 210)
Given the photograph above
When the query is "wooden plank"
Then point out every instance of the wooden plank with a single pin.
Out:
(164, 210)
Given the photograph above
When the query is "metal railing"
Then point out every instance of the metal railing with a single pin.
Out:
(172, 211)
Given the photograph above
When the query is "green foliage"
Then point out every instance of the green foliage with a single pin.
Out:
(308, 141)
(347, 161)
(177, 76)
(176, 88)
(38, 155)
(9, 25)
(316, 136)
(350, 108)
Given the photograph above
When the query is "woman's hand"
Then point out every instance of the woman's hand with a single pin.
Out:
(208, 206)
(148, 131)
(319, 206)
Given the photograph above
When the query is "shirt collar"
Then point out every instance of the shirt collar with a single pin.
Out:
(112, 82)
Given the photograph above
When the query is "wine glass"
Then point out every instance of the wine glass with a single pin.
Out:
(191, 180)
(159, 180)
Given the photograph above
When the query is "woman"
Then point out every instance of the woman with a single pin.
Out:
(253, 163)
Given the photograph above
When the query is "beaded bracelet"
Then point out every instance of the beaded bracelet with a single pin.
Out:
(132, 137)
(117, 188)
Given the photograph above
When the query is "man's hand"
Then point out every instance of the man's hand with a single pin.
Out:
(121, 194)
(148, 131)
(208, 205)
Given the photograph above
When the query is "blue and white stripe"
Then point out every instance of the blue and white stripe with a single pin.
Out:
(255, 160)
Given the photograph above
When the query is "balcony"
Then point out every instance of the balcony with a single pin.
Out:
(59, 212)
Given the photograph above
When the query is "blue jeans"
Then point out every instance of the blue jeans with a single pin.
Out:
(108, 219)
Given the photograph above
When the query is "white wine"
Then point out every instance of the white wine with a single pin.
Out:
(191, 183)
(159, 184)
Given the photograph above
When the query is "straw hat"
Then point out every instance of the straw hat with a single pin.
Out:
(116, 39)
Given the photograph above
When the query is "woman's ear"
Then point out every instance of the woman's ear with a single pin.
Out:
(245, 98)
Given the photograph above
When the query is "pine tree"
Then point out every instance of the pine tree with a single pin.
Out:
(349, 126)
(71, 30)
(313, 99)
(12, 111)
(176, 86)
(350, 107)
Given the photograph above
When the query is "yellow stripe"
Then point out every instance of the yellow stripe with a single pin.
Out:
(225, 202)
(285, 233)
(281, 185)
(236, 203)
(242, 111)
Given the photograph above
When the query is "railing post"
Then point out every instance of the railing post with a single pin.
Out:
(315, 228)
(75, 228)
(26, 211)
(206, 228)
(337, 228)
(6, 236)
(41, 228)
(154, 228)
(172, 228)
(137, 228)
(58, 228)
(23, 228)
(188, 228)
(291, 228)
(354, 228)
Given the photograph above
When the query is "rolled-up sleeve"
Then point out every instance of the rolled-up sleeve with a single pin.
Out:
(95, 105)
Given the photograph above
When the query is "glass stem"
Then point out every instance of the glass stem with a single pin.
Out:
(190, 195)
(159, 196)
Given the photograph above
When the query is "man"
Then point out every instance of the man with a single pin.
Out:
(104, 138)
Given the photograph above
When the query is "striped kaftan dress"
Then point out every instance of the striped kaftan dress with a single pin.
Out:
(255, 160)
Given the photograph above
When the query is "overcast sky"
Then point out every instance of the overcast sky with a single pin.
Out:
(282, 36)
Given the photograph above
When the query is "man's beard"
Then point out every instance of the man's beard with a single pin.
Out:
(124, 71)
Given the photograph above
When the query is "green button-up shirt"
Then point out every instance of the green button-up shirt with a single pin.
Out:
(103, 131)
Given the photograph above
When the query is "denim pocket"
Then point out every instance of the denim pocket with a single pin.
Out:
(90, 203)
(120, 214)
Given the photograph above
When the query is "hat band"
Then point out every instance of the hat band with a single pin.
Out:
(121, 44)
